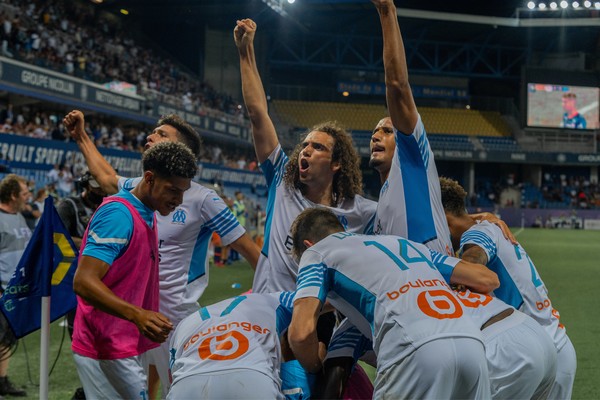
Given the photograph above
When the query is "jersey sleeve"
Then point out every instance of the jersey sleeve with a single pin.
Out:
(481, 235)
(220, 219)
(444, 264)
(109, 232)
(311, 277)
(273, 167)
(284, 311)
(348, 341)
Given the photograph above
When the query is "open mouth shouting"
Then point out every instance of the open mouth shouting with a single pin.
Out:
(377, 149)
(303, 165)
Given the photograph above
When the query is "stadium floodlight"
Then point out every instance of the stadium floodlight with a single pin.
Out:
(597, 5)
(553, 5)
(531, 5)
(575, 4)
(291, 1)
(564, 4)
(587, 3)
(542, 6)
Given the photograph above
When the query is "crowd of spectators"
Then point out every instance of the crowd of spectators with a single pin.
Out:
(75, 38)
(47, 125)
(560, 190)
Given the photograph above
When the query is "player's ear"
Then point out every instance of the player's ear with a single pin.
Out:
(308, 243)
(149, 178)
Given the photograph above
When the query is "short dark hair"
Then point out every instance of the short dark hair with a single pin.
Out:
(347, 182)
(313, 224)
(453, 196)
(186, 134)
(10, 186)
(170, 159)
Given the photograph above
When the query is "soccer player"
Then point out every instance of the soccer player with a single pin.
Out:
(520, 283)
(116, 280)
(521, 357)
(231, 349)
(571, 117)
(323, 170)
(416, 323)
(409, 202)
(184, 235)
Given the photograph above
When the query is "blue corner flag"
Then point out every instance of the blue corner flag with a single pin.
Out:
(46, 268)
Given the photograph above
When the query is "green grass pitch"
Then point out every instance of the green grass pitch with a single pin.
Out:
(567, 260)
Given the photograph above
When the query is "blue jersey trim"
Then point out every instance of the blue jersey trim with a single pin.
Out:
(199, 254)
(419, 220)
(353, 293)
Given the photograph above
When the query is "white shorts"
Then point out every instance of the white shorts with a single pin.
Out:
(446, 368)
(112, 379)
(565, 372)
(521, 358)
(232, 384)
(159, 357)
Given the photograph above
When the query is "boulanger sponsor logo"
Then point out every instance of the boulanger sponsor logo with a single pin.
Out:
(439, 304)
(473, 300)
(419, 283)
(225, 341)
(224, 347)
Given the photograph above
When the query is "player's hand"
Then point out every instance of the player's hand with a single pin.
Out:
(75, 124)
(153, 325)
(508, 235)
(243, 33)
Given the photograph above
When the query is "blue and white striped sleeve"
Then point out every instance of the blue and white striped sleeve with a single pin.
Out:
(273, 167)
(348, 341)
(478, 236)
(221, 220)
(311, 277)
(444, 264)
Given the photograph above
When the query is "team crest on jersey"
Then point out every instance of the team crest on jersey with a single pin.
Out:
(179, 217)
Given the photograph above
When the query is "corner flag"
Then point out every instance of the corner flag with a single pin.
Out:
(46, 269)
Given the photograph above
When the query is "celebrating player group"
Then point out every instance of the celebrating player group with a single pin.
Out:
(443, 304)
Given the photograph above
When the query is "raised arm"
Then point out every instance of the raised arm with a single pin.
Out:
(400, 102)
(102, 171)
(263, 130)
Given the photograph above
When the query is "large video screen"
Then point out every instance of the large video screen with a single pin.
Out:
(562, 106)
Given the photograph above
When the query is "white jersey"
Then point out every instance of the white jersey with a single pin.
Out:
(520, 283)
(410, 200)
(390, 288)
(183, 239)
(277, 270)
(480, 307)
(238, 333)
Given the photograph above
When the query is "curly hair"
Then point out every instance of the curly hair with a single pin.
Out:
(170, 159)
(453, 196)
(185, 133)
(347, 182)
